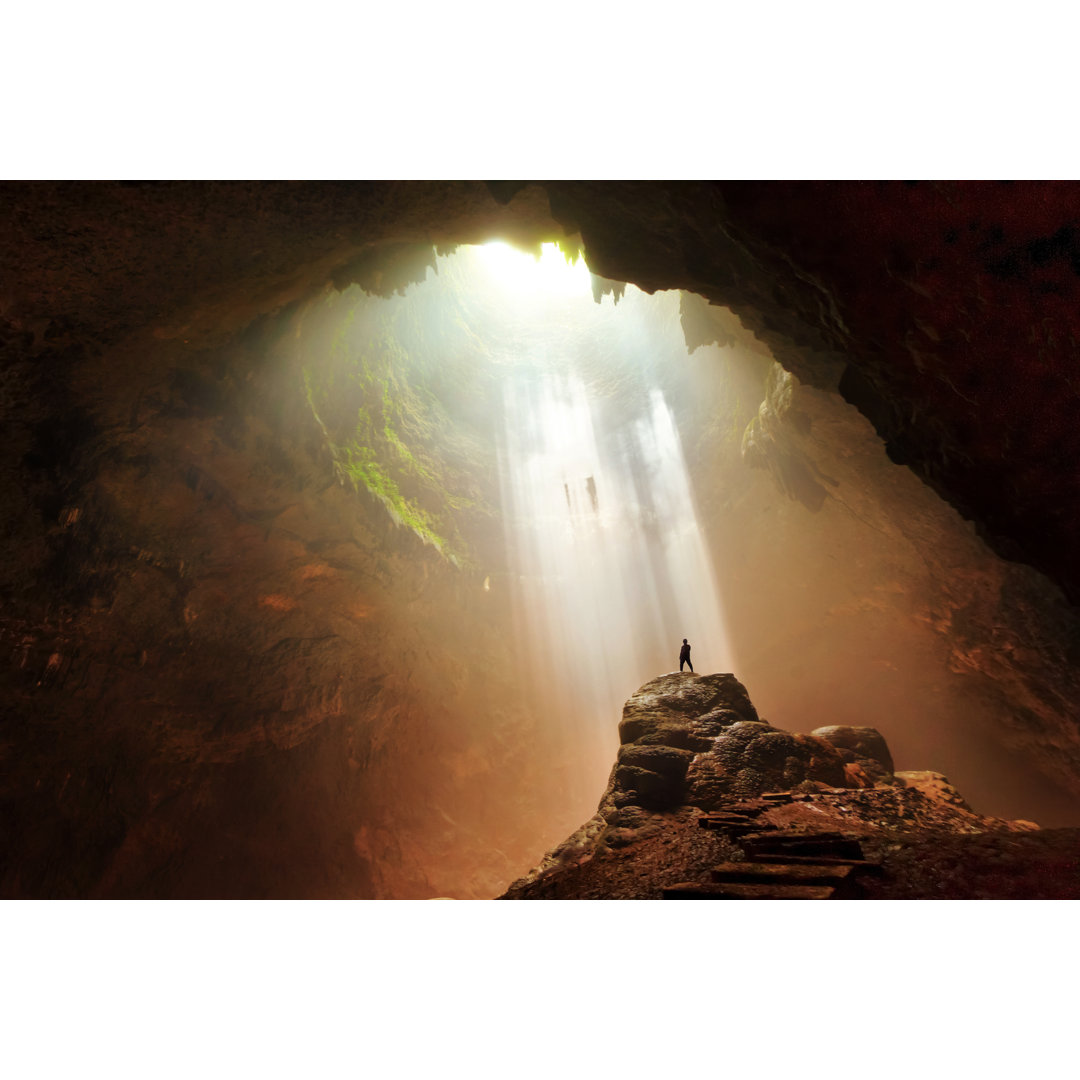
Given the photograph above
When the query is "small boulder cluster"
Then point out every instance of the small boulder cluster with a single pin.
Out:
(697, 740)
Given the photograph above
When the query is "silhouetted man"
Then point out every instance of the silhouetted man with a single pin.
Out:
(684, 655)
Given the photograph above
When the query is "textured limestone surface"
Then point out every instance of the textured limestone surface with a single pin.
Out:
(696, 740)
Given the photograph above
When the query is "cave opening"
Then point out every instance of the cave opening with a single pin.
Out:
(512, 412)
(546, 432)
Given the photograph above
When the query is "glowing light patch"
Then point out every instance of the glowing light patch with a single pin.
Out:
(519, 272)
(278, 602)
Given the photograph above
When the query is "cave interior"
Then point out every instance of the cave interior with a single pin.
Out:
(340, 519)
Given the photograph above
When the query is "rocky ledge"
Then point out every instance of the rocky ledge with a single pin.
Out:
(707, 800)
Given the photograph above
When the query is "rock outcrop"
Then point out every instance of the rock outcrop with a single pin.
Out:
(697, 740)
(695, 753)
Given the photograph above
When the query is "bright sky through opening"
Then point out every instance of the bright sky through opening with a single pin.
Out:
(550, 275)
(609, 564)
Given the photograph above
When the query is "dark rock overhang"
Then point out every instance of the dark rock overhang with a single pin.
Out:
(946, 312)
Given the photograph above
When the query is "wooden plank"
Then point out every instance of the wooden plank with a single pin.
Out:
(784, 835)
(744, 826)
(861, 865)
(842, 847)
(706, 890)
(783, 873)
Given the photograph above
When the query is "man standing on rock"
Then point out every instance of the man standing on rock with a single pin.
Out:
(684, 655)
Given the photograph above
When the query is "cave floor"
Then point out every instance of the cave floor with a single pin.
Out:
(920, 863)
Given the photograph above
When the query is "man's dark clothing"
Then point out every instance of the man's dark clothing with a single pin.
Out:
(684, 657)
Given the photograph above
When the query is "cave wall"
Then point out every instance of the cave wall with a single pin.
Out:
(237, 671)
(947, 310)
(961, 314)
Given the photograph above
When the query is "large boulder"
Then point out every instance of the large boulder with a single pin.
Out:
(866, 744)
(697, 740)
(684, 710)
(750, 758)
(665, 760)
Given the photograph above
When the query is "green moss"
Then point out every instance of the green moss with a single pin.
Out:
(360, 464)
(338, 344)
(386, 431)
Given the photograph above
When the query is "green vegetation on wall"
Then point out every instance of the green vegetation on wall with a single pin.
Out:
(386, 429)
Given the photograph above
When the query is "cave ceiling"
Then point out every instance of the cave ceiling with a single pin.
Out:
(946, 312)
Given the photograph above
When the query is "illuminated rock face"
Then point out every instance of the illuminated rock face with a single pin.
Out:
(232, 674)
(724, 749)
